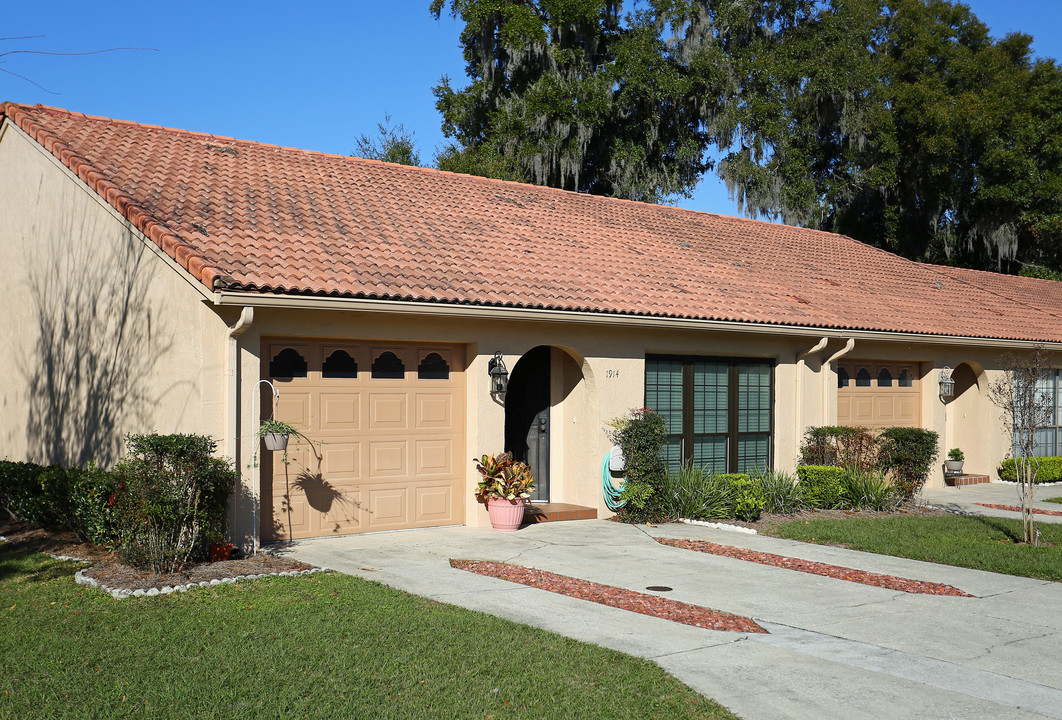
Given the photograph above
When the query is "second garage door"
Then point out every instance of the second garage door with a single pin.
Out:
(385, 423)
(878, 393)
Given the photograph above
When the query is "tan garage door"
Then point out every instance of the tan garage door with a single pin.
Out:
(878, 393)
(386, 421)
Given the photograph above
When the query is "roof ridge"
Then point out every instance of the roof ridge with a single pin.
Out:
(152, 227)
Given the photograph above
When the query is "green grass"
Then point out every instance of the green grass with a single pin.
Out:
(1054, 500)
(321, 646)
(984, 543)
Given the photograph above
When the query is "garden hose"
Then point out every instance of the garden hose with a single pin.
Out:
(611, 492)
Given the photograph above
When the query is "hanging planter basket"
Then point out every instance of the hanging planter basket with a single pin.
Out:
(276, 442)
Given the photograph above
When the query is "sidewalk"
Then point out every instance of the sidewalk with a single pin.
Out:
(835, 649)
(964, 500)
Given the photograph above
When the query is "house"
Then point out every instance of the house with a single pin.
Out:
(168, 280)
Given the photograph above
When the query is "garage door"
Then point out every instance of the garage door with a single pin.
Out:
(386, 425)
(878, 393)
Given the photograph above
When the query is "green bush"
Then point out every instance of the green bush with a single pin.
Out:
(908, 453)
(695, 494)
(746, 497)
(21, 493)
(74, 498)
(1050, 470)
(171, 501)
(840, 445)
(781, 492)
(821, 485)
(868, 491)
(641, 435)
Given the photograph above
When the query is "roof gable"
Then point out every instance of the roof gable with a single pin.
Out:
(260, 218)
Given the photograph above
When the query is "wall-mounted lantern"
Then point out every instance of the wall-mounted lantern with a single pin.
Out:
(947, 383)
(499, 378)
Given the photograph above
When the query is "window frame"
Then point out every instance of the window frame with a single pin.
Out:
(732, 434)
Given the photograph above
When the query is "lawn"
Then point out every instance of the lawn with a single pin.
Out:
(1054, 499)
(320, 646)
(983, 543)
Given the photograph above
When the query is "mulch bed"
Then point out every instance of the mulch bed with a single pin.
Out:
(890, 582)
(1015, 508)
(612, 596)
(109, 571)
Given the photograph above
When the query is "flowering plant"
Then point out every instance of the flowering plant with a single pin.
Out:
(503, 477)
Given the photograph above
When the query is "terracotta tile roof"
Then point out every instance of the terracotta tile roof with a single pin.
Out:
(259, 218)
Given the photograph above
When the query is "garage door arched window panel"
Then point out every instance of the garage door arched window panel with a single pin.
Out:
(388, 366)
(287, 363)
(906, 379)
(718, 411)
(433, 367)
(862, 378)
(339, 365)
(884, 378)
(842, 378)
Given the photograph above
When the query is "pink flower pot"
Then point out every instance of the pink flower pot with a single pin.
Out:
(506, 515)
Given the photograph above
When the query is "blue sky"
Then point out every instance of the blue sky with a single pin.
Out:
(313, 75)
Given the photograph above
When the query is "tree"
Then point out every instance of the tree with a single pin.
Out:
(577, 95)
(904, 125)
(899, 122)
(1027, 407)
(394, 145)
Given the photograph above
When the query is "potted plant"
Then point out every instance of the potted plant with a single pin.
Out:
(954, 461)
(276, 434)
(504, 486)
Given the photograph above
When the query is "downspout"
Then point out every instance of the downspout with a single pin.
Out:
(232, 432)
(798, 404)
(826, 366)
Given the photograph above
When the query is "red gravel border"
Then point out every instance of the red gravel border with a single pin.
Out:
(1015, 508)
(621, 598)
(890, 582)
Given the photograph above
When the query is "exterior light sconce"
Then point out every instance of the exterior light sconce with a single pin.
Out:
(499, 378)
(947, 383)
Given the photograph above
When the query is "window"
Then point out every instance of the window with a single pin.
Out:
(433, 367)
(1049, 437)
(717, 411)
(339, 365)
(388, 367)
(884, 378)
(287, 364)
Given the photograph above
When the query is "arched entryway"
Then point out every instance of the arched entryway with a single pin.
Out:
(970, 418)
(527, 415)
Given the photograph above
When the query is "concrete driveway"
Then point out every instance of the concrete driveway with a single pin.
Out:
(835, 649)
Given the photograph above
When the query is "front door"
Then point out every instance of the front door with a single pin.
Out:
(527, 416)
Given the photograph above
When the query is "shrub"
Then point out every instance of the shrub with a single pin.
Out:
(171, 501)
(781, 492)
(868, 491)
(746, 497)
(1050, 470)
(641, 435)
(839, 445)
(21, 493)
(696, 494)
(821, 485)
(907, 453)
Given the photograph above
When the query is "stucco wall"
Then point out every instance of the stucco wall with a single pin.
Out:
(102, 336)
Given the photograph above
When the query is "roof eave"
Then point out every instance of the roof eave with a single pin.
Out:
(497, 312)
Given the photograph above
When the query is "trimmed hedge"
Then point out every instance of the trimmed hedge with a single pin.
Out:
(73, 498)
(822, 486)
(1050, 470)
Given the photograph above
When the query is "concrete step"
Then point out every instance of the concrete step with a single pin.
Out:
(556, 512)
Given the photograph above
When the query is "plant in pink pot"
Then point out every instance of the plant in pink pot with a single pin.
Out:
(504, 487)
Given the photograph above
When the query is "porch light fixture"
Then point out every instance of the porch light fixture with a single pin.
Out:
(499, 378)
(947, 383)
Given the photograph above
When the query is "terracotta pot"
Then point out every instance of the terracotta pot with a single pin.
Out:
(220, 551)
(275, 441)
(506, 515)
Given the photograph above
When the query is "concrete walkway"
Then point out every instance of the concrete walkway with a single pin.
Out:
(835, 650)
(964, 500)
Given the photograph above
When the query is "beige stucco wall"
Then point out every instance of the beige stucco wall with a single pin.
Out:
(102, 336)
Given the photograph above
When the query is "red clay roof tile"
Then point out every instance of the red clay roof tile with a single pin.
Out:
(261, 218)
